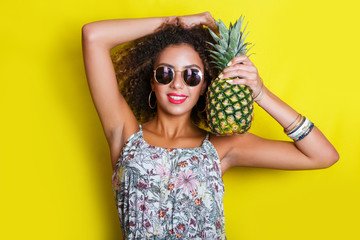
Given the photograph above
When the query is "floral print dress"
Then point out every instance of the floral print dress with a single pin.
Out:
(164, 193)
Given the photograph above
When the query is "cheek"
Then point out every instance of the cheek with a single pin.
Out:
(159, 90)
(196, 93)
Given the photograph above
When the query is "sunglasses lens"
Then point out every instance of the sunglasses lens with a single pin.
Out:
(164, 75)
(192, 76)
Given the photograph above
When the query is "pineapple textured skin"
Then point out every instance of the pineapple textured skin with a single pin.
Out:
(229, 108)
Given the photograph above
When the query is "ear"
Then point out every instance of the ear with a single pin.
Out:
(203, 88)
(152, 84)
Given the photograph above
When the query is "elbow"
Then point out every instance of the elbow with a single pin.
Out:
(330, 159)
(88, 33)
(334, 158)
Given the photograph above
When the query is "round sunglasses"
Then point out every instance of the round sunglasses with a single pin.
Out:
(191, 76)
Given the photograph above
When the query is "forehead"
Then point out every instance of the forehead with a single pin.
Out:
(179, 56)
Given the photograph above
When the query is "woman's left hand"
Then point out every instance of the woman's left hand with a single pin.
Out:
(205, 18)
(245, 72)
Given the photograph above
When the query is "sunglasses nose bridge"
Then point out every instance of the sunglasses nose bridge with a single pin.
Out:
(178, 80)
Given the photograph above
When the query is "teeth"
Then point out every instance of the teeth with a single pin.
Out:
(177, 98)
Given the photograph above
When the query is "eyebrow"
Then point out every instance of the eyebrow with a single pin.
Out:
(171, 66)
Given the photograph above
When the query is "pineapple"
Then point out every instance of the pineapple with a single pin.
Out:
(229, 108)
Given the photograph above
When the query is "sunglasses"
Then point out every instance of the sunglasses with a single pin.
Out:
(191, 76)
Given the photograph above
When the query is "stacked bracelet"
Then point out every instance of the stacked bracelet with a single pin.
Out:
(287, 128)
(301, 129)
(296, 126)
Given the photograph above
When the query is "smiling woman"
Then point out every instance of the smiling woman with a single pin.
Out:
(183, 90)
(168, 171)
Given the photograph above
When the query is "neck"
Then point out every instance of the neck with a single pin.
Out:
(172, 126)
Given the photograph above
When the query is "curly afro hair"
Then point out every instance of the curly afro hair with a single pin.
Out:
(134, 63)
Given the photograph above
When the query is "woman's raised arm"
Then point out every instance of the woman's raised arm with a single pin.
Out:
(312, 152)
(98, 38)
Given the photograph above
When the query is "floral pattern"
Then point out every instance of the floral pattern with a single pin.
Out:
(169, 193)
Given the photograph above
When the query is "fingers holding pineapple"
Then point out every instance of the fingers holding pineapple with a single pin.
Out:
(242, 71)
(242, 59)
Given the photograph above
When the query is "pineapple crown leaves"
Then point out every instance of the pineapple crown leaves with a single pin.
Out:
(230, 43)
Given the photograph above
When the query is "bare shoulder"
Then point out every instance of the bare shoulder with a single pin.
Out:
(237, 150)
(224, 144)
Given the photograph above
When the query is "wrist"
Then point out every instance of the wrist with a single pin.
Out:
(263, 94)
(259, 95)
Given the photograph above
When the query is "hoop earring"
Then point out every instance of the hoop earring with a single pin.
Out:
(202, 103)
(152, 107)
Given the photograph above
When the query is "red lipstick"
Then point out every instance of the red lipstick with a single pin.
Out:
(176, 98)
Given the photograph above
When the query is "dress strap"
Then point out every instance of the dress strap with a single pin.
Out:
(141, 131)
(207, 136)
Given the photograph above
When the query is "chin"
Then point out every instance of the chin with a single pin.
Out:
(177, 110)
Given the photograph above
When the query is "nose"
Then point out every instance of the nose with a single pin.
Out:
(177, 82)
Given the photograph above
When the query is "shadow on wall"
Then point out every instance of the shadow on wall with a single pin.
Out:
(72, 91)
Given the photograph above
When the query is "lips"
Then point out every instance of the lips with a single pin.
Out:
(176, 98)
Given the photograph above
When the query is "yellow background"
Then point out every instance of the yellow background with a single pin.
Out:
(55, 172)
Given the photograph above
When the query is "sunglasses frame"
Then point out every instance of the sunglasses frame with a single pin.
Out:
(182, 75)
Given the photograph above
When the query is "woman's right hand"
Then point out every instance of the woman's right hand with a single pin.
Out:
(204, 18)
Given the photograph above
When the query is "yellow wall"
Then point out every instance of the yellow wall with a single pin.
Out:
(55, 172)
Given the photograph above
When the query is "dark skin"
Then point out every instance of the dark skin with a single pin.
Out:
(172, 127)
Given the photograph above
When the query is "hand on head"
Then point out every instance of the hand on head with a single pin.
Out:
(204, 18)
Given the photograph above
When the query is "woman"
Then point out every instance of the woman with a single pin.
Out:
(167, 171)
